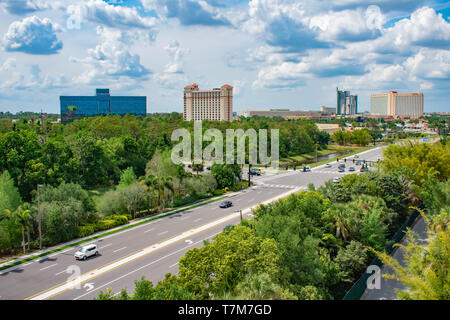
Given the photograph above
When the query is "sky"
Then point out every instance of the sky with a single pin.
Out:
(275, 53)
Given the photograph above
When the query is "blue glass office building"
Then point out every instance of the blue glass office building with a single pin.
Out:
(101, 104)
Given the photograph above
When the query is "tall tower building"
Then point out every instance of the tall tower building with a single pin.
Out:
(347, 104)
(215, 104)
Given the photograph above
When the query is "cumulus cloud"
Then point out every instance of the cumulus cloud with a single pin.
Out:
(188, 12)
(8, 65)
(22, 7)
(100, 12)
(349, 25)
(429, 64)
(282, 24)
(111, 59)
(176, 53)
(33, 35)
(385, 5)
(32, 80)
(415, 48)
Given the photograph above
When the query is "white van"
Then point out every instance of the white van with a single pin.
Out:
(87, 251)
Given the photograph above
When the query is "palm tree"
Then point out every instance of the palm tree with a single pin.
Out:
(342, 224)
(23, 218)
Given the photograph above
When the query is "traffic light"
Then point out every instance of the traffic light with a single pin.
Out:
(353, 160)
(345, 160)
(337, 159)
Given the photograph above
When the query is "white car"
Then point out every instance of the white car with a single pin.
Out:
(328, 165)
(85, 252)
(336, 179)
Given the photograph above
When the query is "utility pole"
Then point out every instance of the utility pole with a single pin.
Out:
(39, 217)
(249, 174)
(316, 151)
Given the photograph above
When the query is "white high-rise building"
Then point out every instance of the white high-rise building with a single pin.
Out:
(397, 104)
(216, 104)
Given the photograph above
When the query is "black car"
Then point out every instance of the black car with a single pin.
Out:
(226, 204)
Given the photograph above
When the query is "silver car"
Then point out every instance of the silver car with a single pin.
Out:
(87, 251)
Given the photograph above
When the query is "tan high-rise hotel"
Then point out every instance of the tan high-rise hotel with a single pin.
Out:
(216, 104)
(397, 104)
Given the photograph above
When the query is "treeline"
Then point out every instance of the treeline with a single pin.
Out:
(67, 211)
(315, 244)
(93, 152)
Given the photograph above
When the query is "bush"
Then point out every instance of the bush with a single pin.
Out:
(105, 224)
(120, 219)
(85, 231)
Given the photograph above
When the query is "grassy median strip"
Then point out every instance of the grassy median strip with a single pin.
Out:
(145, 220)
(313, 165)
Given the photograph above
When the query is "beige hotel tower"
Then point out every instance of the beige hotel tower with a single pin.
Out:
(216, 104)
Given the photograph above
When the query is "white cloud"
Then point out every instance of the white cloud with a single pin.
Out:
(429, 64)
(33, 35)
(176, 54)
(349, 25)
(120, 17)
(8, 65)
(111, 59)
(22, 7)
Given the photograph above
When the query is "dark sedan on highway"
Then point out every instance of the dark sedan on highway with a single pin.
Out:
(226, 204)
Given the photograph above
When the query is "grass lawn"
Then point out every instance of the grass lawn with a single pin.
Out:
(310, 157)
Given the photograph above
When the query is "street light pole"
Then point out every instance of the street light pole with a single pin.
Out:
(39, 217)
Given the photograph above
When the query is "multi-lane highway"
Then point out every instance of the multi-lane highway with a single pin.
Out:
(152, 249)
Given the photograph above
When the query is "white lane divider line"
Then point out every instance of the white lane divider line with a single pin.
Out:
(147, 265)
(57, 274)
(105, 246)
(119, 249)
(149, 230)
(199, 219)
(139, 254)
(161, 233)
(48, 267)
(173, 265)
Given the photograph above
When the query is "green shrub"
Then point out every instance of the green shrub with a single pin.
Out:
(120, 219)
(85, 231)
(105, 224)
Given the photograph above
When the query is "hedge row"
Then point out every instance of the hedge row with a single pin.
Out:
(108, 222)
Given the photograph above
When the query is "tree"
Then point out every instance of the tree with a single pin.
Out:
(342, 137)
(9, 194)
(261, 287)
(218, 267)
(225, 175)
(24, 220)
(418, 161)
(351, 260)
(127, 177)
(361, 137)
(133, 197)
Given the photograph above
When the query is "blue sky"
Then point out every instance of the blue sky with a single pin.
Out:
(276, 53)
